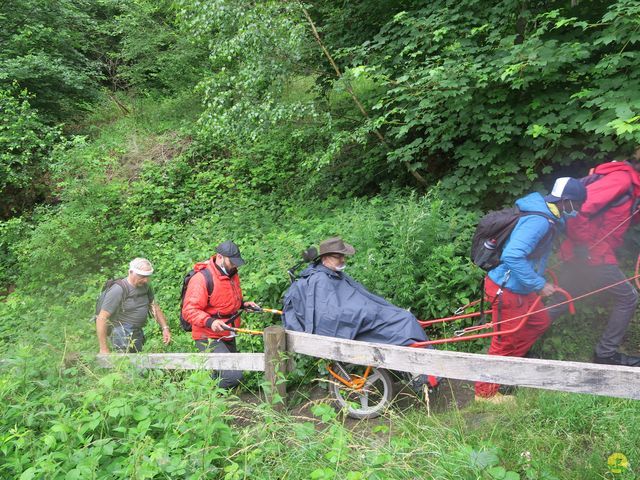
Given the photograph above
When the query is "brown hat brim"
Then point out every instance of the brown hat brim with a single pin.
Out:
(347, 250)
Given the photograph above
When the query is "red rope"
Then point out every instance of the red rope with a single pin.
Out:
(636, 278)
(603, 238)
(614, 229)
(579, 297)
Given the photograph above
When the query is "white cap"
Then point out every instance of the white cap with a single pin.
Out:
(567, 188)
(141, 266)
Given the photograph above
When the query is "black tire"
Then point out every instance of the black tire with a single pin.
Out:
(368, 402)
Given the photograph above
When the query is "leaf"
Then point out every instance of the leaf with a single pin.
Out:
(109, 380)
(324, 411)
(537, 130)
(322, 474)
(28, 474)
(497, 473)
(304, 430)
(381, 459)
(141, 412)
(483, 458)
(354, 476)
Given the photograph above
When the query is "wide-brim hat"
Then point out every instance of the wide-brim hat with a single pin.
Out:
(230, 250)
(336, 245)
(567, 188)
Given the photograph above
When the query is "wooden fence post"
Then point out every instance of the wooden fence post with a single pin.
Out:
(275, 344)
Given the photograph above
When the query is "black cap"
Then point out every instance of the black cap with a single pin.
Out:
(231, 250)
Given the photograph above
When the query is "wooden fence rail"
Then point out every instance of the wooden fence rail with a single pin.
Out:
(607, 380)
(252, 362)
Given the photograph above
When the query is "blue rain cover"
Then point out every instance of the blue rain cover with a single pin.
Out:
(333, 304)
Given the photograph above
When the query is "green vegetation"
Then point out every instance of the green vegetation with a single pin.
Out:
(158, 129)
(26, 144)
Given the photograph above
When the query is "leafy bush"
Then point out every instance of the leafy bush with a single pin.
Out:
(50, 49)
(26, 144)
(252, 51)
(492, 98)
(61, 423)
(12, 233)
(153, 56)
(83, 233)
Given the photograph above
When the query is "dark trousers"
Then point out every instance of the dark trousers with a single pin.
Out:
(228, 378)
(579, 278)
(127, 339)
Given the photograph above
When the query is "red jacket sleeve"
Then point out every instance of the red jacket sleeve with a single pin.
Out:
(196, 301)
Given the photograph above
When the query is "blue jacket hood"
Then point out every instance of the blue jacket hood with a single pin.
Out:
(315, 268)
(534, 202)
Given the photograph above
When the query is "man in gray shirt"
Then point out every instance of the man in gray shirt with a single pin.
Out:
(125, 308)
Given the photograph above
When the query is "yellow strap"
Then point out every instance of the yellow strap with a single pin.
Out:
(554, 209)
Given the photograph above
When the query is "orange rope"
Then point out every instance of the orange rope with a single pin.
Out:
(579, 297)
(603, 238)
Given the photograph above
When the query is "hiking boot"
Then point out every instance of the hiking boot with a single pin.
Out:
(618, 359)
(419, 382)
(497, 399)
(507, 389)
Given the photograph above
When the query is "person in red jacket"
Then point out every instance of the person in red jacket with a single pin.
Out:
(209, 314)
(589, 252)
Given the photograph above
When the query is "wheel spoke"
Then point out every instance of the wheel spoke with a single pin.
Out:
(371, 399)
(373, 378)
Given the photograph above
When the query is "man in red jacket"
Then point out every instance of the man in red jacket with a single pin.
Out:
(589, 252)
(209, 314)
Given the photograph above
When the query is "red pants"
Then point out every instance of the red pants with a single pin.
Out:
(515, 344)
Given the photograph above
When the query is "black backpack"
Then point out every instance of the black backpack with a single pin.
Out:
(492, 233)
(186, 326)
(107, 286)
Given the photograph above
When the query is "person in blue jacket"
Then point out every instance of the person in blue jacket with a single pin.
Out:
(518, 280)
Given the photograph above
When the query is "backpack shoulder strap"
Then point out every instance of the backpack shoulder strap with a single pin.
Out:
(208, 277)
(622, 198)
(552, 221)
(549, 236)
(121, 282)
(150, 298)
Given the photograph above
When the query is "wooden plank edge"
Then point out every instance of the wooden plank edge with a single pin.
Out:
(575, 377)
(253, 362)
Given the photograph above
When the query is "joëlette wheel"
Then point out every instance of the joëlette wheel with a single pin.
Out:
(369, 401)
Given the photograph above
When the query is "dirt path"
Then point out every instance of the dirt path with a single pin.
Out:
(451, 394)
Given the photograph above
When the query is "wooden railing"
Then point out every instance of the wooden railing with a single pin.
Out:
(607, 380)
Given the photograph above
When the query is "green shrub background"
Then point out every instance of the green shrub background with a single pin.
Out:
(161, 128)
